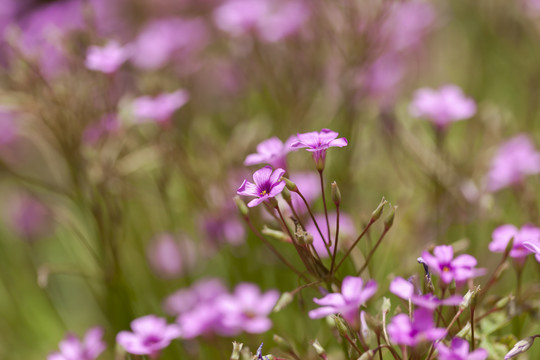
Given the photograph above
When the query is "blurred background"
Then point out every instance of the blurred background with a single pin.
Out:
(112, 202)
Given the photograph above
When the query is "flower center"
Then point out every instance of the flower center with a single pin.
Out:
(151, 340)
(264, 192)
(445, 269)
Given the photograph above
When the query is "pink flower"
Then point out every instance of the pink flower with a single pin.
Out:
(405, 290)
(515, 159)
(71, 348)
(246, 310)
(108, 124)
(406, 332)
(203, 291)
(502, 235)
(346, 230)
(459, 350)
(150, 335)
(160, 108)
(168, 257)
(318, 143)
(534, 247)
(272, 152)
(108, 58)
(449, 268)
(267, 185)
(443, 106)
(347, 303)
(29, 216)
(8, 127)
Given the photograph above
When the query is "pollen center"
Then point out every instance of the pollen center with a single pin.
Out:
(264, 192)
(446, 269)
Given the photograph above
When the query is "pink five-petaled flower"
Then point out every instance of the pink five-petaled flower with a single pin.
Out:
(160, 108)
(108, 58)
(406, 332)
(267, 185)
(443, 263)
(459, 350)
(533, 246)
(405, 290)
(71, 348)
(246, 309)
(502, 235)
(442, 107)
(271, 151)
(150, 335)
(515, 159)
(318, 143)
(347, 303)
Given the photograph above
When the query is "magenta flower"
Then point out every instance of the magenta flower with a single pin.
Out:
(459, 350)
(347, 303)
(108, 58)
(203, 291)
(170, 257)
(29, 217)
(204, 319)
(272, 152)
(516, 159)
(71, 348)
(502, 235)
(160, 108)
(443, 263)
(534, 247)
(150, 335)
(403, 331)
(318, 143)
(246, 310)
(267, 185)
(405, 290)
(346, 231)
(442, 107)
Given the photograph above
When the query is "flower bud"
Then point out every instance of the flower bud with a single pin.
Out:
(470, 298)
(368, 355)
(282, 343)
(275, 234)
(386, 305)
(340, 325)
(285, 299)
(389, 221)
(286, 194)
(465, 331)
(318, 348)
(290, 185)
(336, 194)
(237, 347)
(376, 214)
(520, 347)
(241, 205)
(503, 302)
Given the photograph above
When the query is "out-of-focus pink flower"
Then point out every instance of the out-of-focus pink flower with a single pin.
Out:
(534, 247)
(107, 59)
(531, 7)
(346, 231)
(170, 39)
(347, 303)
(168, 258)
(150, 335)
(108, 124)
(29, 217)
(516, 159)
(8, 127)
(502, 235)
(403, 331)
(443, 263)
(271, 21)
(318, 143)
(184, 300)
(224, 228)
(405, 290)
(71, 348)
(443, 106)
(160, 108)
(272, 152)
(268, 184)
(309, 185)
(459, 350)
(247, 309)
(382, 77)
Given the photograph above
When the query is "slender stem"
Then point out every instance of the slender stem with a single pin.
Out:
(472, 328)
(432, 348)
(372, 252)
(385, 346)
(353, 344)
(353, 245)
(325, 209)
(494, 277)
(335, 243)
(379, 347)
(314, 221)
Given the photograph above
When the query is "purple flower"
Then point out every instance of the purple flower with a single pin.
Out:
(246, 310)
(108, 58)
(159, 108)
(347, 303)
(502, 235)
(443, 106)
(204, 319)
(29, 216)
(71, 348)
(150, 335)
(8, 127)
(223, 228)
(272, 152)
(203, 291)
(405, 290)
(170, 258)
(267, 185)
(459, 350)
(406, 332)
(318, 143)
(346, 231)
(534, 247)
(443, 263)
(515, 159)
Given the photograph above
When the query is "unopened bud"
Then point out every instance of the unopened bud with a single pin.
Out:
(318, 348)
(368, 355)
(469, 298)
(286, 194)
(386, 305)
(237, 347)
(520, 347)
(275, 234)
(374, 324)
(465, 331)
(389, 221)
(336, 194)
(503, 302)
(241, 205)
(376, 214)
(509, 247)
(285, 299)
(282, 343)
(340, 325)
(290, 185)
